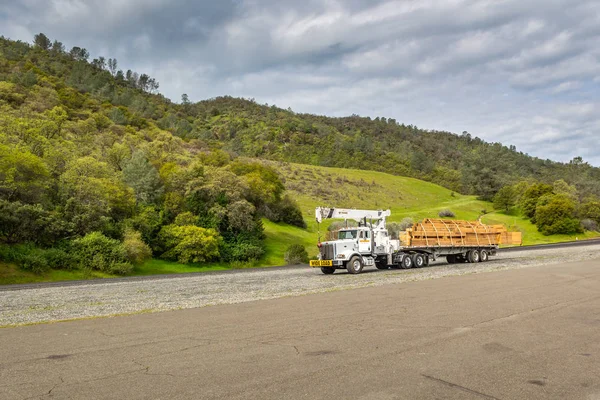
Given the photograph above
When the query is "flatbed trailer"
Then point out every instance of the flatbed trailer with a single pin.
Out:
(369, 244)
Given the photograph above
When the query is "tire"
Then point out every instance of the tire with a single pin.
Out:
(327, 270)
(483, 256)
(407, 262)
(473, 256)
(418, 260)
(355, 265)
(451, 258)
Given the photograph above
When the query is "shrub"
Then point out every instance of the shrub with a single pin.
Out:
(589, 224)
(34, 262)
(121, 268)
(137, 250)
(245, 251)
(97, 252)
(394, 228)
(189, 243)
(14, 253)
(295, 254)
(59, 259)
(446, 214)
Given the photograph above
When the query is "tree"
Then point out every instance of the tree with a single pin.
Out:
(530, 197)
(112, 66)
(141, 175)
(58, 47)
(505, 198)
(23, 175)
(40, 40)
(556, 214)
(79, 54)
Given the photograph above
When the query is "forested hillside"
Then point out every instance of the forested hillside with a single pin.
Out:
(100, 171)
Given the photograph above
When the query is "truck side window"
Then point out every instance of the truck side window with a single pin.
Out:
(368, 234)
(361, 234)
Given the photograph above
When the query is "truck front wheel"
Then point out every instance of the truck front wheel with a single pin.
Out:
(327, 270)
(355, 265)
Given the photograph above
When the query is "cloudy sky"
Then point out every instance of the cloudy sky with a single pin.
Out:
(518, 72)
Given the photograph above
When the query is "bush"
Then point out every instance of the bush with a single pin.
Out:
(589, 225)
(245, 251)
(189, 243)
(137, 250)
(97, 252)
(121, 268)
(446, 214)
(34, 262)
(59, 259)
(295, 254)
(14, 253)
(394, 228)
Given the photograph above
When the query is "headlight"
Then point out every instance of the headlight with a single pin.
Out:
(340, 256)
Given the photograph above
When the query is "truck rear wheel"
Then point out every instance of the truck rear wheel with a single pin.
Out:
(407, 262)
(473, 256)
(418, 260)
(483, 256)
(327, 270)
(355, 265)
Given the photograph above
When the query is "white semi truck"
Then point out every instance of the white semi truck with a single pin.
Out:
(369, 244)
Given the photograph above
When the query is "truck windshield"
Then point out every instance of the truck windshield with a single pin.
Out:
(346, 235)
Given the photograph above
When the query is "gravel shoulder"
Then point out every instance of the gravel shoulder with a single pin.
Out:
(50, 304)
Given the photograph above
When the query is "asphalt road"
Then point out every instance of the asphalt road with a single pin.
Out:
(530, 333)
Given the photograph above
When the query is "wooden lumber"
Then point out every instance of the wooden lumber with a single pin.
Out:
(457, 233)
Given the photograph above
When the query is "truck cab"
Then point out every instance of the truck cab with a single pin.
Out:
(355, 248)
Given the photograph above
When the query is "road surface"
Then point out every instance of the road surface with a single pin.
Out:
(531, 333)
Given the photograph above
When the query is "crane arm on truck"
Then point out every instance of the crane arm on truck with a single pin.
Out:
(322, 213)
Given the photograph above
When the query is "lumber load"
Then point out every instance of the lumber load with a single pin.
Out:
(451, 233)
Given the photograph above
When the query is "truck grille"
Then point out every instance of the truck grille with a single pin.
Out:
(327, 252)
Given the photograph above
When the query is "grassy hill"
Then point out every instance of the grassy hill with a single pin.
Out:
(315, 186)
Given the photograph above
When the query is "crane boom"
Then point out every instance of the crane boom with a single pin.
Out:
(322, 213)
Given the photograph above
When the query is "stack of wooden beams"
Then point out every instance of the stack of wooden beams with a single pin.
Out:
(451, 233)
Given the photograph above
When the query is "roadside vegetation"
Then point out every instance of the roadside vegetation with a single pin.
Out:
(100, 175)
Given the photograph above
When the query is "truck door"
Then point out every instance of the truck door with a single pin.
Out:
(364, 242)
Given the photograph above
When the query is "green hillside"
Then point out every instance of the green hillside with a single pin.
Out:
(406, 197)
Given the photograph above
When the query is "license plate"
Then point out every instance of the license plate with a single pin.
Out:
(321, 263)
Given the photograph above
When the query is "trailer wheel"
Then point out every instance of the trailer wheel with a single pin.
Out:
(483, 255)
(451, 258)
(327, 270)
(473, 256)
(418, 260)
(407, 262)
(355, 265)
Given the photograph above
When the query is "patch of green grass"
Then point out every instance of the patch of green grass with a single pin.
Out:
(157, 267)
(11, 274)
